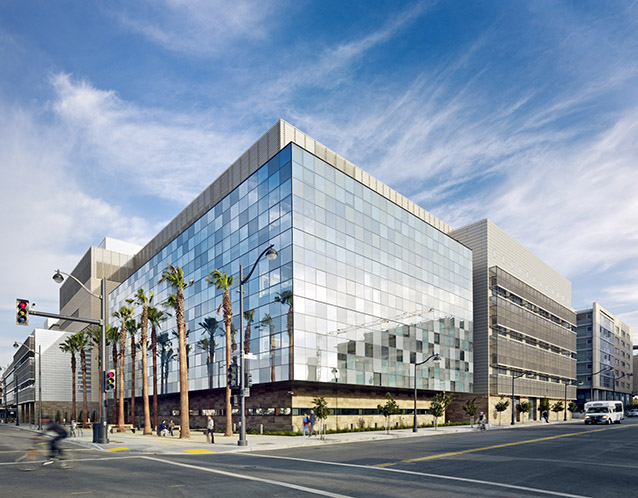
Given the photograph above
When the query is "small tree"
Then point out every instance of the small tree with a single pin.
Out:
(524, 407)
(471, 410)
(557, 407)
(390, 408)
(439, 404)
(321, 412)
(501, 406)
(544, 406)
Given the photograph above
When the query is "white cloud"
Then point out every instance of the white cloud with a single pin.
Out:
(48, 221)
(170, 156)
(198, 27)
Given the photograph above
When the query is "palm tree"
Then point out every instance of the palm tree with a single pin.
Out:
(174, 275)
(266, 321)
(83, 339)
(285, 298)
(123, 316)
(70, 345)
(210, 326)
(132, 326)
(222, 281)
(155, 317)
(249, 317)
(112, 338)
(141, 299)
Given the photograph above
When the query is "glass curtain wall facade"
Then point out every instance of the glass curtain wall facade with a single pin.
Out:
(361, 289)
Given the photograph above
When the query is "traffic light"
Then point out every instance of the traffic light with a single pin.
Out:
(248, 379)
(109, 381)
(233, 377)
(22, 312)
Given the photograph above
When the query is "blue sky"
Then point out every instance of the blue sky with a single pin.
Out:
(115, 114)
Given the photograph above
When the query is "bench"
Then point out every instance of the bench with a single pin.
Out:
(124, 428)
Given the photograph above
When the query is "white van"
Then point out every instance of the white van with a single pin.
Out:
(604, 412)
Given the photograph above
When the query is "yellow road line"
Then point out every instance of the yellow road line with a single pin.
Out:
(119, 448)
(484, 448)
(199, 451)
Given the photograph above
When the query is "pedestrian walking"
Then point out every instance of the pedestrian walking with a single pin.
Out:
(171, 426)
(312, 420)
(306, 424)
(546, 416)
(210, 430)
(74, 426)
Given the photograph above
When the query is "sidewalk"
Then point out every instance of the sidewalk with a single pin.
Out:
(128, 441)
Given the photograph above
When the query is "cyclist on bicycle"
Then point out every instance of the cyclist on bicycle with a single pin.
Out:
(53, 426)
(481, 421)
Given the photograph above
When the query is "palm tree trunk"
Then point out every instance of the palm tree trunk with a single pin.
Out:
(73, 366)
(84, 400)
(120, 411)
(99, 367)
(114, 353)
(229, 407)
(147, 414)
(184, 414)
(154, 350)
(133, 380)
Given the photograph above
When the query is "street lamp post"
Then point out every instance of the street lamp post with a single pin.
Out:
(16, 387)
(514, 377)
(591, 390)
(572, 383)
(436, 357)
(102, 436)
(271, 254)
(335, 374)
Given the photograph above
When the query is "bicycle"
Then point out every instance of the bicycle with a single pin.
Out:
(39, 456)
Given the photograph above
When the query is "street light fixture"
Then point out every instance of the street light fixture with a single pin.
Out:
(614, 379)
(58, 278)
(514, 377)
(435, 357)
(271, 255)
(591, 390)
(571, 383)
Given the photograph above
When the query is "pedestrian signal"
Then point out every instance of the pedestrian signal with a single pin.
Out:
(233, 378)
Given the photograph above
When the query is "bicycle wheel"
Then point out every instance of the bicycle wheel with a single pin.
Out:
(66, 464)
(28, 461)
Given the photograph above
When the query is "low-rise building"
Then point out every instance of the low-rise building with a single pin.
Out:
(524, 326)
(605, 356)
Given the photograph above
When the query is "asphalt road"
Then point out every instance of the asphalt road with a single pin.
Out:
(552, 460)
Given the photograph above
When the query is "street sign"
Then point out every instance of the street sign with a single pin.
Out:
(246, 392)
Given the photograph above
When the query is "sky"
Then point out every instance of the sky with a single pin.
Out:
(115, 114)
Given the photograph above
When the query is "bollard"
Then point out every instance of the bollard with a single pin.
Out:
(261, 429)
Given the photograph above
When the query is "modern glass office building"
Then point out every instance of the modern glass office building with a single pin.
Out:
(366, 284)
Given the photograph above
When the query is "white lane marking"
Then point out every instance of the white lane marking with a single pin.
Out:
(425, 474)
(250, 478)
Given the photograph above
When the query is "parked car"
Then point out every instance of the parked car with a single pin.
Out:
(633, 412)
